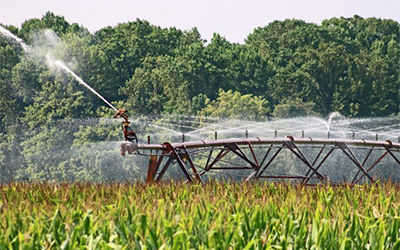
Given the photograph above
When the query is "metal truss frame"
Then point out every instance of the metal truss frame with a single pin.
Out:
(181, 154)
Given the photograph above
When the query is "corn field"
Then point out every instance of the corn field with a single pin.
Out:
(213, 215)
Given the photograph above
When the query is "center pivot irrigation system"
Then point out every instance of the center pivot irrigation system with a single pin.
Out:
(237, 157)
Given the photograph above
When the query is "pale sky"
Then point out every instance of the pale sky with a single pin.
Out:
(232, 19)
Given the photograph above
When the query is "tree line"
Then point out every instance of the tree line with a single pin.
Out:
(284, 69)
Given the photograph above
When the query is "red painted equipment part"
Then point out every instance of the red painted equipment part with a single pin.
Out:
(129, 134)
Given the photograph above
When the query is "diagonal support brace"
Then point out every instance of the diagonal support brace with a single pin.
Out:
(343, 146)
(293, 147)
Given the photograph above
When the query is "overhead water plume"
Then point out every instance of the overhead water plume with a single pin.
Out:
(62, 65)
(99, 156)
(172, 127)
(7, 33)
(331, 116)
(338, 168)
(52, 41)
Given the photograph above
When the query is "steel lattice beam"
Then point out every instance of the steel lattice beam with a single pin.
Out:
(181, 154)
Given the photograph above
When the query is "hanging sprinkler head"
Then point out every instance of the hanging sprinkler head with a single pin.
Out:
(129, 134)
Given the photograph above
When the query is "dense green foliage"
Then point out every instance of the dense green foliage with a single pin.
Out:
(234, 105)
(348, 65)
(211, 216)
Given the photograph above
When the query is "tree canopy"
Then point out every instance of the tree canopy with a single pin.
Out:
(286, 68)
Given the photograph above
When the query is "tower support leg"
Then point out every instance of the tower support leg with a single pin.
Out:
(154, 162)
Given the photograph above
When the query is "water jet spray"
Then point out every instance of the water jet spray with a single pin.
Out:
(129, 134)
(8, 33)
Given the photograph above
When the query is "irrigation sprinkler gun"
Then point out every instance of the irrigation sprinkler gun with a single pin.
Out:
(129, 134)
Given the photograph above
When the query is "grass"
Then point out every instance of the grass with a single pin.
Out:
(214, 215)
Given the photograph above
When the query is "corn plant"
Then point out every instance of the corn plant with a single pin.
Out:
(214, 215)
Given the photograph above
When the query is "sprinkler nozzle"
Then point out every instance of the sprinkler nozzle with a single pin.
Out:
(122, 113)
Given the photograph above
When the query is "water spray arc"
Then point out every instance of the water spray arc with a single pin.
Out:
(58, 63)
(62, 65)
(316, 159)
(7, 33)
(129, 134)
